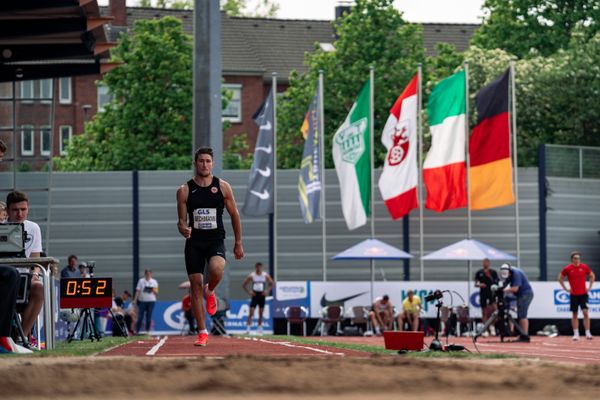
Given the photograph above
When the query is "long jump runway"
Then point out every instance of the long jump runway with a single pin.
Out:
(219, 346)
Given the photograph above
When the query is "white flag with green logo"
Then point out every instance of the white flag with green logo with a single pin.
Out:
(352, 158)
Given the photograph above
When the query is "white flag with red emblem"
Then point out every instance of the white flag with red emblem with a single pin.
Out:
(398, 181)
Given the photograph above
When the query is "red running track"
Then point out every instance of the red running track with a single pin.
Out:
(219, 346)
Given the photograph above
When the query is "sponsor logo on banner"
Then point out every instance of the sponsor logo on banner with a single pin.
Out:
(237, 317)
(562, 300)
(291, 291)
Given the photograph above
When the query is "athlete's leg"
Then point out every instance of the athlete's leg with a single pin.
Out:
(250, 315)
(575, 322)
(196, 286)
(260, 314)
(586, 319)
(216, 267)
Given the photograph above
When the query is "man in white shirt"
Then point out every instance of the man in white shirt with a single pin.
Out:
(261, 286)
(17, 204)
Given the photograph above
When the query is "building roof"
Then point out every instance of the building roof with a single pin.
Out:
(261, 46)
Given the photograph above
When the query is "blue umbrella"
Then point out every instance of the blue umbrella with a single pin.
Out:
(468, 250)
(372, 249)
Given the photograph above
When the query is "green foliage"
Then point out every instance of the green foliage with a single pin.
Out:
(234, 157)
(240, 8)
(373, 33)
(148, 124)
(174, 4)
(528, 28)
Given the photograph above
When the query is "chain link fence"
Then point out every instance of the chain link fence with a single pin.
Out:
(572, 161)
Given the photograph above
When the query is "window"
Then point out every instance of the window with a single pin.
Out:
(45, 140)
(6, 89)
(104, 97)
(233, 111)
(46, 90)
(64, 90)
(27, 140)
(65, 137)
(26, 91)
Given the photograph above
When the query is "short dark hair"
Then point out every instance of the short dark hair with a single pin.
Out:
(15, 197)
(3, 147)
(203, 150)
(72, 256)
(386, 297)
(258, 264)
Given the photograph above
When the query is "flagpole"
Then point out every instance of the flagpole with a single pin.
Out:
(420, 170)
(322, 170)
(468, 159)
(372, 140)
(513, 128)
(274, 95)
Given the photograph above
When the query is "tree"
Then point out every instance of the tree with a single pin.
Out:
(373, 33)
(258, 8)
(528, 28)
(148, 124)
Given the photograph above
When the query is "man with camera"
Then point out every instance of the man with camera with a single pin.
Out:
(576, 273)
(17, 204)
(516, 282)
(484, 279)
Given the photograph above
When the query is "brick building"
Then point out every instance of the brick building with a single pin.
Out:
(252, 49)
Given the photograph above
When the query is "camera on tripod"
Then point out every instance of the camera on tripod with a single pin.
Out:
(90, 265)
(434, 296)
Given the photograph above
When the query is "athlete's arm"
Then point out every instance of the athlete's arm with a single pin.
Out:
(561, 279)
(245, 286)
(182, 223)
(236, 222)
(592, 279)
(269, 285)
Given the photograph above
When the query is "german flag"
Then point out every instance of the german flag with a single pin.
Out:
(489, 148)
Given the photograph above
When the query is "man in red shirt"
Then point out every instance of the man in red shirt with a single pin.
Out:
(576, 273)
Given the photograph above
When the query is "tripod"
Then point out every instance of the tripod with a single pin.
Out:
(503, 316)
(436, 345)
(87, 323)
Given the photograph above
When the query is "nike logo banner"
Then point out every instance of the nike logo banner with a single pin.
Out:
(338, 302)
(259, 195)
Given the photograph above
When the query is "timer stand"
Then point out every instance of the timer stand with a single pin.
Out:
(87, 324)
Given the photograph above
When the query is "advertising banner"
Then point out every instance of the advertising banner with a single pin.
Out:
(291, 293)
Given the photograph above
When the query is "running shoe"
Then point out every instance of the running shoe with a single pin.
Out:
(211, 302)
(575, 337)
(202, 340)
(589, 337)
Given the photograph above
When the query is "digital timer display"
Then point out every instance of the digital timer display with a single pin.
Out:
(86, 293)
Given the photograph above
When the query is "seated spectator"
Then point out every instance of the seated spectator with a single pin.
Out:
(382, 314)
(120, 327)
(411, 310)
(129, 310)
(70, 271)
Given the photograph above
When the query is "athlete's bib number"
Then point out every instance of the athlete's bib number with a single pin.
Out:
(258, 286)
(205, 218)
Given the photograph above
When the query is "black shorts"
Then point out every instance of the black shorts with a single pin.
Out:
(486, 300)
(257, 300)
(198, 254)
(579, 300)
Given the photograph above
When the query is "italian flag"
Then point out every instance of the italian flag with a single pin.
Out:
(444, 169)
(398, 181)
(352, 159)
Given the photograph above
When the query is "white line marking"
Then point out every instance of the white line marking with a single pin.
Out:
(157, 346)
(288, 344)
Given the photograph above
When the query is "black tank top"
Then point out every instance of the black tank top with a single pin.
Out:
(205, 210)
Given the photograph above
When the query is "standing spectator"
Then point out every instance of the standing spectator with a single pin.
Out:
(18, 209)
(411, 311)
(83, 271)
(3, 212)
(145, 297)
(576, 273)
(484, 279)
(261, 286)
(382, 314)
(520, 287)
(70, 271)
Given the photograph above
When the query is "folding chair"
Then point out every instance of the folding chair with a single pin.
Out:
(332, 315)
(218, 319)
(360, 316)
(296, 315)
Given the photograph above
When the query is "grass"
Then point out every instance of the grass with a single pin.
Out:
(80, 348)
(374, 349)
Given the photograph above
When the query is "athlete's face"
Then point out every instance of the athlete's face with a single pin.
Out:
(576, 260)
(17, 212)
(204, 165)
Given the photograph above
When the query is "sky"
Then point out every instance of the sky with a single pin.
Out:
(450, 11)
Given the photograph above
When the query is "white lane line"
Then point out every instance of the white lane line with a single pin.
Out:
(157, 346)
(288, 344)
